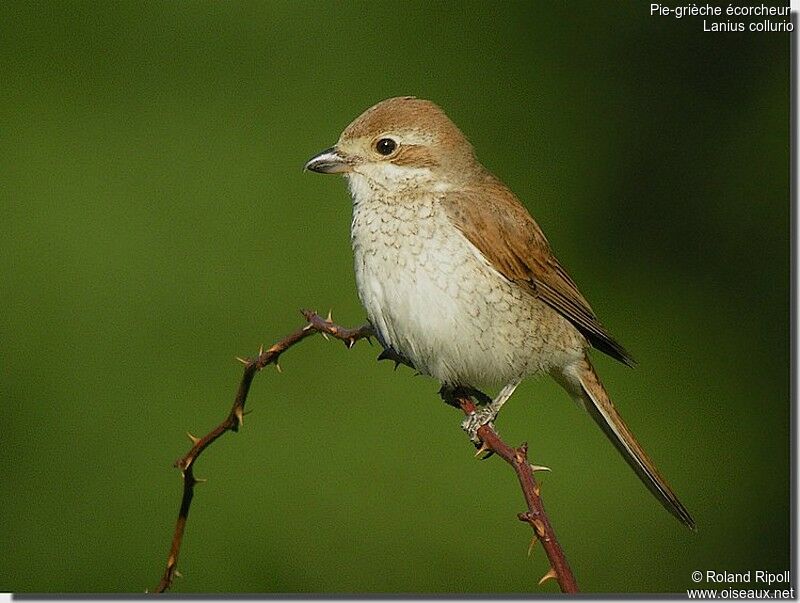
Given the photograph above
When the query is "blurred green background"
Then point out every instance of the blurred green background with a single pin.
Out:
(156, 223)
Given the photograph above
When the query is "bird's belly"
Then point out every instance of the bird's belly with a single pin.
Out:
(434, 299)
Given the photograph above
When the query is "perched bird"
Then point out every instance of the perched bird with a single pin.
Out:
(458, 279)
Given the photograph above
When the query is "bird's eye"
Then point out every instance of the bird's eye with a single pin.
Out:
(385, 146)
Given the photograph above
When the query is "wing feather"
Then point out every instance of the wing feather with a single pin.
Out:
(493, 220)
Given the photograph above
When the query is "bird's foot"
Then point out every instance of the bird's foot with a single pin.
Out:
(475, 420)
(450, 395)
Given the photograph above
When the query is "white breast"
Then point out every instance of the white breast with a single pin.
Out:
(434, 298)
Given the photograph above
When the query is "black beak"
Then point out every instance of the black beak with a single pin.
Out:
(328, 162)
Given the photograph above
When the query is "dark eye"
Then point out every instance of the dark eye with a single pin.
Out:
(385, 146)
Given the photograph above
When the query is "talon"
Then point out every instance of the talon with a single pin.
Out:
(489, 454)
(475, 420)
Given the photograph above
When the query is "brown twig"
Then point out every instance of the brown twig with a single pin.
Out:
(517, 458)
(535, 516)
(315, 324)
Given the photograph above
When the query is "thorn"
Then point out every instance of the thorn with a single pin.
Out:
(540, 468)
(261, 350)
(239, 415)
(177, 574)
(325, 335)
(534, 540)
(280, 370)
(550, 575)
(482, 449)
(244, 361)
(330, 318)
(192, 437)
(350, 343)
(200, 480)
(538, 526)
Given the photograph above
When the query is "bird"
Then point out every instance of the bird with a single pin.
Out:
(458, 279)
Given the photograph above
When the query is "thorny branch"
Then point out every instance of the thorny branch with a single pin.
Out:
(517, 458)
(314, 324)
(535, 516)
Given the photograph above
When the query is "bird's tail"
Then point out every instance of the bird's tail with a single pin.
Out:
(583, 383)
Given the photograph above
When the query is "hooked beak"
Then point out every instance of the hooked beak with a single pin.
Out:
(328, 162)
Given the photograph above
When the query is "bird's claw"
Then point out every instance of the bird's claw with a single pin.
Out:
(475, 420)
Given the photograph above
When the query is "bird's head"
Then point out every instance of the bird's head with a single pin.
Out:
(398, 144)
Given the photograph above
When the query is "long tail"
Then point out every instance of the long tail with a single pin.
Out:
(582, 382)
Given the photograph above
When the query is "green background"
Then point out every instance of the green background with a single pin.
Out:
(156, 223)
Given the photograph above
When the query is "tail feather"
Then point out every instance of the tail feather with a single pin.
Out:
(601, 409)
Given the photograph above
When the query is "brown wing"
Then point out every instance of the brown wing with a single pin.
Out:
(493, 220)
